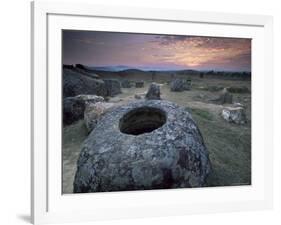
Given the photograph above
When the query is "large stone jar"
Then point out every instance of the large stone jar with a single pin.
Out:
(147, 144)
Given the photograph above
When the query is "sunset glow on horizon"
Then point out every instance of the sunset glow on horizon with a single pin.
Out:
(153, 51)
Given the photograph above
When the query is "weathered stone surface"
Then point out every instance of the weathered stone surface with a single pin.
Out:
(75, 83)
(153, 92)
(112, 87)
(93, 112)
(234, 115)
(179, 85)
(147, 144)
(73, 107)
(137, 96)
(224, 98)
(139, 84)
(126, 84)
(237, 104)
(187, 85)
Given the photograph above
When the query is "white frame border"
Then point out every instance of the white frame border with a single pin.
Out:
(39, 160)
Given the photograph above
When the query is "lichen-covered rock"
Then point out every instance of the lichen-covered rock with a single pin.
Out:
(187, 85)
(178, 85)
(153, 92)
(238, 104)
(75, 83)
(146, 144)
(93, 112)
(224, 98)
(73, 107)
(234, 115)
(137, 96)
(126, 84)
(112, 87)
(139, 84)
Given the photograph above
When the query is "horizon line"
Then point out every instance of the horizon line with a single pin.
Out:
(142, 68)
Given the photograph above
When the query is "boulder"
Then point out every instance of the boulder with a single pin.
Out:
(153, 92)
(234, 115)
(237, 104)
(94, 111)
(143, 145)
(73, 107)
(187, 85)
(75, 83)
(137, 96)
(178, 85)
(139, 84)
(126, 84)
(224, 98)
(112, 87)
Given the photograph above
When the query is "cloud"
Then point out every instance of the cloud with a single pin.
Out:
(191, 51)
(90, 41)
(172, 50)
(168, 39)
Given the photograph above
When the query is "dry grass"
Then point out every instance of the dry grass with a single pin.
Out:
(73, 137)
(229, 145)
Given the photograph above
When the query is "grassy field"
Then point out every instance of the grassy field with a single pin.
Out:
(229, 145)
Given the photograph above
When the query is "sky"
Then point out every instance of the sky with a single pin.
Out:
(154, 51)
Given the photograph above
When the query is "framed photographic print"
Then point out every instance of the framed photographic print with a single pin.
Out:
(148, 112)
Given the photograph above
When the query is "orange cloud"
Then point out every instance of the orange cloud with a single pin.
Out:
(197, 51)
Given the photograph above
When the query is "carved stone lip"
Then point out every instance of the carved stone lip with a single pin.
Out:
(142, 120)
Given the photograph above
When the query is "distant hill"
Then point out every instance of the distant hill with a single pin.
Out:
(125, 72)
(120, 68)
(109, 68)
